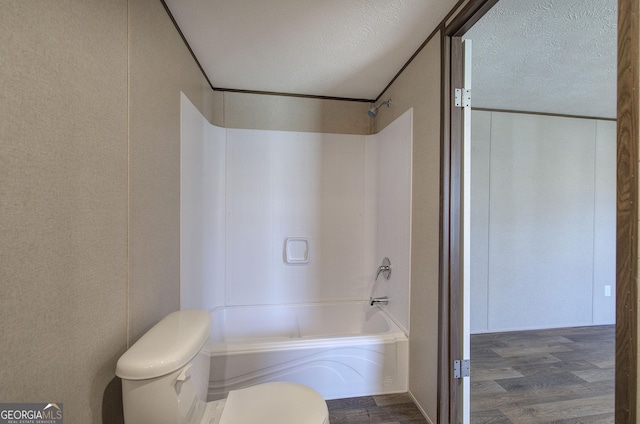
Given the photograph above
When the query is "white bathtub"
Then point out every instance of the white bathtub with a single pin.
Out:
(341, 350)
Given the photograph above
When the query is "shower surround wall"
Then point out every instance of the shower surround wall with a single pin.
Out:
(389, 185)
(293, 184)
(245, 191)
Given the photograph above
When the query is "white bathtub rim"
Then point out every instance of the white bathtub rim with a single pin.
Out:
(267, 345)
(393, 326)
(296, 304)
(362, 302)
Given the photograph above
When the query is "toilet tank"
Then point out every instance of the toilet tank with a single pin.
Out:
(165, 374)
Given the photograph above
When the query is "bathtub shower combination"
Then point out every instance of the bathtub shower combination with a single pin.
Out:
(286, 212)
(342, 349)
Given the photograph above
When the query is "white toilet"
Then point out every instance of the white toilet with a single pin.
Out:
(165, 381)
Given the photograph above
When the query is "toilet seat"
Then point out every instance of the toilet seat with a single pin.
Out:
(275, 403)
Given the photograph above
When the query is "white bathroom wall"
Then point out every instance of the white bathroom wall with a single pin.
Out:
(214, 212)
(290, 184)
(202, 185)
(245, 191)
(543, 221)
(389, 170)
(192, 136)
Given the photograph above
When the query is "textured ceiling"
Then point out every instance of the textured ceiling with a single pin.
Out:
(338, 48)
(555, 56)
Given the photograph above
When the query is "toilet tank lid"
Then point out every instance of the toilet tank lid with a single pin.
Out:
(167, 347)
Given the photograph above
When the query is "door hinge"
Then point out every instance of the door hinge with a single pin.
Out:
(462, 97)
(461, 368)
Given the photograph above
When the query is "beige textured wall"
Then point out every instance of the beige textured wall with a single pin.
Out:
(160, 67)
(267, 112)
(419, 87)
(89, 193)
(63, 203)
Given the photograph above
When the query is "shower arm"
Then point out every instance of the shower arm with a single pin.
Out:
(373, 112)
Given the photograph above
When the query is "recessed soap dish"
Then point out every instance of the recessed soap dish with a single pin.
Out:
(296, 250)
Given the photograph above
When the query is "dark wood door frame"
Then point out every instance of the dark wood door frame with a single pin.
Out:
(627, 214)
(628, 132)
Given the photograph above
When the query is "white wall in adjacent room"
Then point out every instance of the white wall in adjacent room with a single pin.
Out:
(543, 221)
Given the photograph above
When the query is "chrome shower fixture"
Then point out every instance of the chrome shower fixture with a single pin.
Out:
(373, 112)
(384, 300)
(385, 269)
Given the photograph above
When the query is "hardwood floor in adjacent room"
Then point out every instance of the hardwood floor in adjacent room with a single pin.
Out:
(557, 376)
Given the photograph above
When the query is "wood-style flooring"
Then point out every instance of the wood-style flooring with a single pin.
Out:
(386, 409)
(558, 376)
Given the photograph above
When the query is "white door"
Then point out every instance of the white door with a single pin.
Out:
(466, 233)
(458, 277)
(465, 310)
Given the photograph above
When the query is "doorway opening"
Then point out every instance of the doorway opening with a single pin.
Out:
(453, 233)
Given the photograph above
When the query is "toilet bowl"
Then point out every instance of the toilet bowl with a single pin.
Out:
(165, 379)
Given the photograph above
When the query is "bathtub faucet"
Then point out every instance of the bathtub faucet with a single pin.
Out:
(384, 300)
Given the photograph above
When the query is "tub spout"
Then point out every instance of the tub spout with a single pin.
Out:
(384, 300)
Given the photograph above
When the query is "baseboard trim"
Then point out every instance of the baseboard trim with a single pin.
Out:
(415, 401)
